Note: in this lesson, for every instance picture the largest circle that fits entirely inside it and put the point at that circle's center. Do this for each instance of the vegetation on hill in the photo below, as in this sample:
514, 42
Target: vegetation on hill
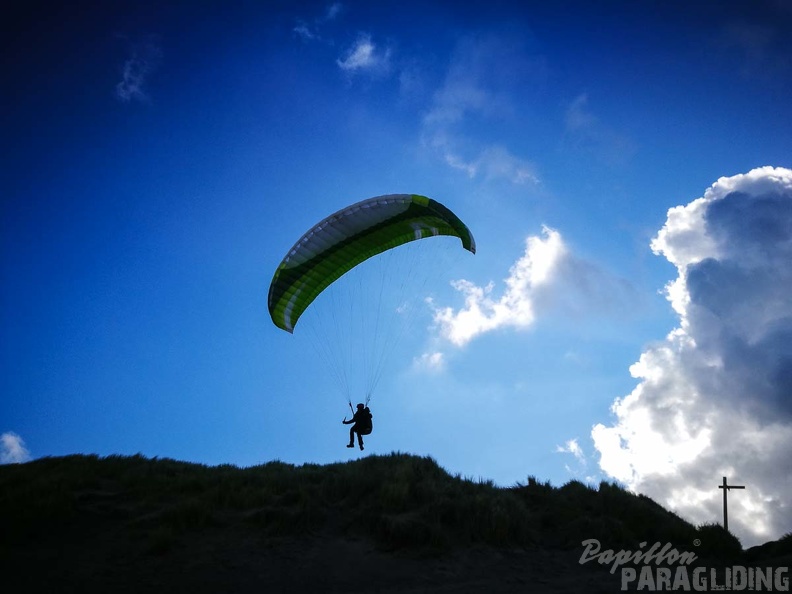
399, 501
130, 524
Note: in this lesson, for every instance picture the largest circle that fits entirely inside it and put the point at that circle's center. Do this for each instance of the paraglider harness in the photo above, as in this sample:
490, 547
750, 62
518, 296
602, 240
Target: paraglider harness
365, 425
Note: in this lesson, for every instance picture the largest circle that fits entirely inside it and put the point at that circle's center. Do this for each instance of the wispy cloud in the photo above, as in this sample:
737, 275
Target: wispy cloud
479, 85
332, 12
305, 32
546, 279
144, 58
364, 56
12, 449
311, 30
760, 41
572, 447
579, 468
484, 74
433, 362
714, 396
587, 132
489, 162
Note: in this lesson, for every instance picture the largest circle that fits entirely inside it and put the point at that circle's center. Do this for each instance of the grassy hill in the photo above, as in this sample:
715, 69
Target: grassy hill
393, 523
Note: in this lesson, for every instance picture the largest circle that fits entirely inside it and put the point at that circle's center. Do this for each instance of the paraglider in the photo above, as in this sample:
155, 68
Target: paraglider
362, 424
337, 246
348, 237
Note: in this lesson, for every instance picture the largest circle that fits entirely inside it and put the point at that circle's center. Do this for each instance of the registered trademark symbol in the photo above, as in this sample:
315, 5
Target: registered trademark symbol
696, 542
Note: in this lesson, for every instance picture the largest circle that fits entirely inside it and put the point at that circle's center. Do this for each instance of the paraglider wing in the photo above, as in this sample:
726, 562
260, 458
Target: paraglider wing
350, 236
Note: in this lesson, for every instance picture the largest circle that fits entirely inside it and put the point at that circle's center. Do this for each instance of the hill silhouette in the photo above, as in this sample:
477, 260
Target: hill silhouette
395, 523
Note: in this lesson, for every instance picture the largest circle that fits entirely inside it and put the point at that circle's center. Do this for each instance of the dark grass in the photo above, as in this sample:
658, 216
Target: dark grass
398, 501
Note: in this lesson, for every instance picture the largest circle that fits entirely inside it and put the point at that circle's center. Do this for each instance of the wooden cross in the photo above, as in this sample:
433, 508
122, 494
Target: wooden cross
725, 488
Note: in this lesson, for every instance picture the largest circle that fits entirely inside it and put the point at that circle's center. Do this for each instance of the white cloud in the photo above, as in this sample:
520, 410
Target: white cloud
572, 447
715, 397
144, 58
546, 279
12, 449
365, 56
515, 307
433, 362
579, 468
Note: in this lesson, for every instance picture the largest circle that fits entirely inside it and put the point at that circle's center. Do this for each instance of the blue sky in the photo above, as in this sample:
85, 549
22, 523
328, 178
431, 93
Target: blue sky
160, 160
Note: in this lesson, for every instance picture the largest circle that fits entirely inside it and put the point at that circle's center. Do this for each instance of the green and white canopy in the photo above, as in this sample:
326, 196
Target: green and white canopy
350, 236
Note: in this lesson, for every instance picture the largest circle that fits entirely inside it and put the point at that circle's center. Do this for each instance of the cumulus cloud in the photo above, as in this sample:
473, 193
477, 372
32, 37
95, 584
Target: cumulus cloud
12, 449
483, 312
715, 397
364, 56
546, 278
144, 58
478, 85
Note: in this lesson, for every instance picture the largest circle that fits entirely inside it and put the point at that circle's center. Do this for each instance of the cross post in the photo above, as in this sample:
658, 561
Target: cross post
725, 488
